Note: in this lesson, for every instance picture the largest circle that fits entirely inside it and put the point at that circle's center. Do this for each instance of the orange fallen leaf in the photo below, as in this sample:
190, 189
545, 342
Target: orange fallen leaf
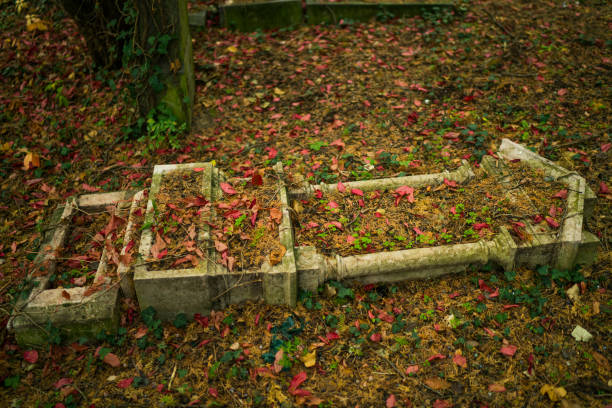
112, 360
437, 383
276, 256
31, 161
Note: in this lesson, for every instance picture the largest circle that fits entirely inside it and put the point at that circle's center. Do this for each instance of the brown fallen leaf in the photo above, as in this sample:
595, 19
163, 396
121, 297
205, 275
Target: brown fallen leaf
497, 387
112, 360
276, 256
65, 295
601, 360
276, 215
437, 383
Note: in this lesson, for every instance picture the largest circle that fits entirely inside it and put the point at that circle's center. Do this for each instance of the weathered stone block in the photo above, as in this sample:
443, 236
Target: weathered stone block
265, 15
74, 311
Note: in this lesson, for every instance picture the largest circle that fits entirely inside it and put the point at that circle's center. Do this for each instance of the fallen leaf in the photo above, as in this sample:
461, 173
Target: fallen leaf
227, 188
157, 249
125, 383
460, 360
442, 404
276, 256
257, 180
309, 359
31, 356
296, 381
112, 360
65, 295
213, 392
31, 161
357, 191
220, 246
341, 187
391, 401
276, 215
508, 350
62, 382
497, 387
437, 383
554, 393
413, 369
232, 49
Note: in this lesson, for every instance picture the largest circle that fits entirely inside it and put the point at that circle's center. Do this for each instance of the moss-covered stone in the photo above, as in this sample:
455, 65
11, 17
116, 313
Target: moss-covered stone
265, 15
332, 13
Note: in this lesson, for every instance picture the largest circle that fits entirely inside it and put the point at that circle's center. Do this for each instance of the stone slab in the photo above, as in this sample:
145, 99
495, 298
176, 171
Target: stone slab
266, 15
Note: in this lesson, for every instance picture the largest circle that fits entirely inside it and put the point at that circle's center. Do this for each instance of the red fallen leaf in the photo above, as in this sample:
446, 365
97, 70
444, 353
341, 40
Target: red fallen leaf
302, 393
257, 180
220, 246
318, 193
391, 401
508, 350
213, 391
338, 143
357, 191
198, 169
272, 152
460, 360
603, 188
198, 201
62, 382
436, 357
203, 320
506, 307
552, 223
413, 369
450, 183
112, 360
451, 135
376, 337
483, 286
333, 205
65, 295
203, 343
125, 383
605, 147
31, 356
89, 188
454, 295
562, 194
496, 387
442, 404
402, 191
227, 188
297, 379
335, 224
562, 92
481, 225
332, 336
341, 187
361, 203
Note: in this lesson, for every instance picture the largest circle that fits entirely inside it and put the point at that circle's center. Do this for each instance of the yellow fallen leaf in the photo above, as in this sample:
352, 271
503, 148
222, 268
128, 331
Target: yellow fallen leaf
34, 23
31, 161
279, 91
554, 393
309, 359
232, 49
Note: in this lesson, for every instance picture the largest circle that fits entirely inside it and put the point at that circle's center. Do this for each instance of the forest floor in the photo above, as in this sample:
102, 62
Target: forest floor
333, 104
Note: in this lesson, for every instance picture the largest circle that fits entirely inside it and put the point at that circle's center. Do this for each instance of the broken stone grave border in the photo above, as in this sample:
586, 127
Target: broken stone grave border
73, 311
563, 249
211, 285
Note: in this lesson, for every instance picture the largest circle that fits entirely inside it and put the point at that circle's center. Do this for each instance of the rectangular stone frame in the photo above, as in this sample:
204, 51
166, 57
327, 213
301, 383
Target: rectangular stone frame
210, 285
79, 315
